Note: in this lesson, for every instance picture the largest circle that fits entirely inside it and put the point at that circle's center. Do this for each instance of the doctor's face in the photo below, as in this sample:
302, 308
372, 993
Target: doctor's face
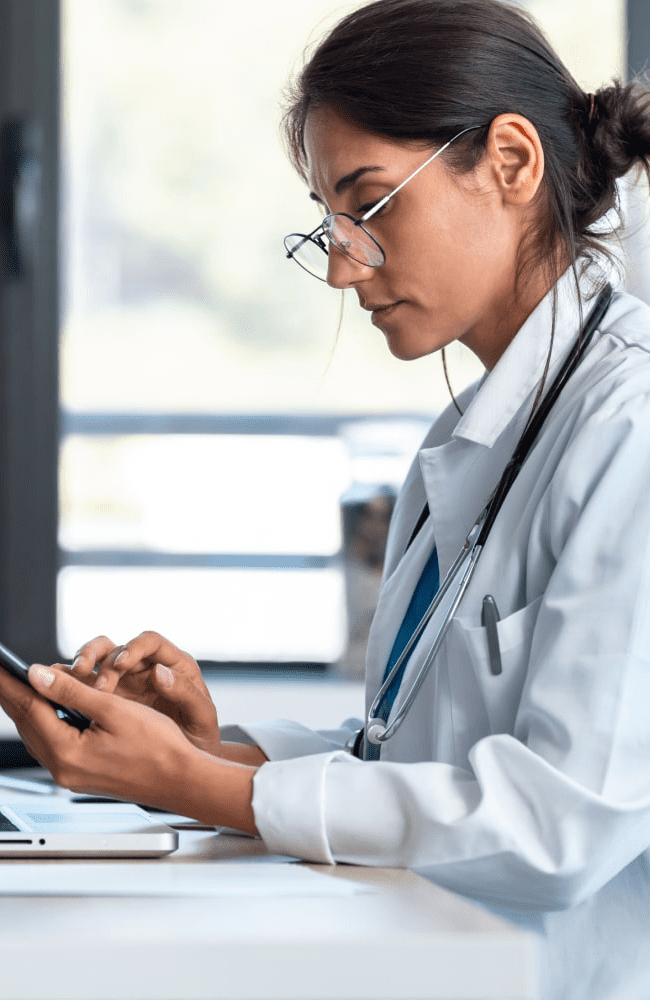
451, 242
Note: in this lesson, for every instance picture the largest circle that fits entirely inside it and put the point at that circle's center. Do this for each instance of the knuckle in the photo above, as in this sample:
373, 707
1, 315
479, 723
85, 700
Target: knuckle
99, 640
150, 635
24, 699
99, 646
21, 704
145, 644
110, 658
60, 683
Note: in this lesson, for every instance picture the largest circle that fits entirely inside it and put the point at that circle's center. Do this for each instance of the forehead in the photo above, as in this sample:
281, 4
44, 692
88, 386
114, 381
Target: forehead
336, 147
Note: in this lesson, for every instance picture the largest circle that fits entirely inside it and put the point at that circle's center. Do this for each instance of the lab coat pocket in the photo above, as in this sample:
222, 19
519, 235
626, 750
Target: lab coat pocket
489, 702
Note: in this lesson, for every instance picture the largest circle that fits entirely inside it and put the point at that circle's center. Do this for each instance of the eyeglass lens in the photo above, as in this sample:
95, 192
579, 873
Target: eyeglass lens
308, 254
341, 231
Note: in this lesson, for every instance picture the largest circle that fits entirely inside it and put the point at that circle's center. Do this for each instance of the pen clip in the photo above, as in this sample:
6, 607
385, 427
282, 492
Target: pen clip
489, 619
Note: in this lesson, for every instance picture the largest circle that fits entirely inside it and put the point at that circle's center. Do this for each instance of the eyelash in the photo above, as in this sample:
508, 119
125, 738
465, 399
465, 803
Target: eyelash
366, 208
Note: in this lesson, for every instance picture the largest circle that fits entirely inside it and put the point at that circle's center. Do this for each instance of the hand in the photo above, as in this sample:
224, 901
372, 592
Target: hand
154, 672
129, 751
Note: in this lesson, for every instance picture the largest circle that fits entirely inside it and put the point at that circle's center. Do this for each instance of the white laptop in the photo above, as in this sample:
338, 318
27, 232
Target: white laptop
34, 827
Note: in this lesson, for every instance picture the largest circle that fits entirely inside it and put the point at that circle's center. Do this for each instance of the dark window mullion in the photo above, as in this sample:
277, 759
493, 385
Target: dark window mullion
29, 87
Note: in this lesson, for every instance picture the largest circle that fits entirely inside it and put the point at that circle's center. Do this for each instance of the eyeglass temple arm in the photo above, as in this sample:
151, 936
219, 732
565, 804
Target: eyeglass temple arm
380, 204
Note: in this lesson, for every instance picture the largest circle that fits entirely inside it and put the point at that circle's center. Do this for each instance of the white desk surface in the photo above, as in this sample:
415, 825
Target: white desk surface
403, 939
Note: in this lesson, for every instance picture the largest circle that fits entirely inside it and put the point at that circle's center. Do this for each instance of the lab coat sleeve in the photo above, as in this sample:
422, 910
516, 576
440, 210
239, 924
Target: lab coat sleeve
546, 815
281, 739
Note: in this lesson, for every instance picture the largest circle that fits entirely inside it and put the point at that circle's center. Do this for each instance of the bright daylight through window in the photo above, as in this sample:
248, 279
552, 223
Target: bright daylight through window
191, 345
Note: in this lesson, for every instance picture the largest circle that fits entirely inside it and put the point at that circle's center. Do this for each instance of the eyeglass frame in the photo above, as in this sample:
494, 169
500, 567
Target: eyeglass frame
316, 236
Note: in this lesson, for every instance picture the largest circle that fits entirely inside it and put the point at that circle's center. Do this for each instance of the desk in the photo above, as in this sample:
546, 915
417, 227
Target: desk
404, 939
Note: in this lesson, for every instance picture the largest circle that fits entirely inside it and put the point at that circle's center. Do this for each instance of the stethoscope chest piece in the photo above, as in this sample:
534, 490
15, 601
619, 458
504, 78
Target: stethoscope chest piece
376, 731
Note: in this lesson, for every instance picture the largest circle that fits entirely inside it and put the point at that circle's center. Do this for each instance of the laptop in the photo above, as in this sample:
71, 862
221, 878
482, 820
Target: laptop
59, 828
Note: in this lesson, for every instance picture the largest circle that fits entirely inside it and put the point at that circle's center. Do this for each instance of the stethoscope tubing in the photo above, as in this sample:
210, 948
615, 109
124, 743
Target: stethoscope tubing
376, 730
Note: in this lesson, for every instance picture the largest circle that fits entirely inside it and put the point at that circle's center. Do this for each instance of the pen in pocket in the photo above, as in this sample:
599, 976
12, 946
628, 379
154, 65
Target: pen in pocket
489, 619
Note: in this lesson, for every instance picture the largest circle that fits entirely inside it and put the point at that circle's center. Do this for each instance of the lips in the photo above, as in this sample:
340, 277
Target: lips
378, 307
380, 313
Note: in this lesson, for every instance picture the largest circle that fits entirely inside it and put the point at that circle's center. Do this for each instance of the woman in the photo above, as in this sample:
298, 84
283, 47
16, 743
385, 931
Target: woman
479, 170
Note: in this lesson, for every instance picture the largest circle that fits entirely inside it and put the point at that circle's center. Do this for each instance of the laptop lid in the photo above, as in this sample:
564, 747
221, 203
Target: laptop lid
34, 828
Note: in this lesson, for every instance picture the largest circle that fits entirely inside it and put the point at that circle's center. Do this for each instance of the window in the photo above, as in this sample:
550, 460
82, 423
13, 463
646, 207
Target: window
209, 413
180, 318
211, 418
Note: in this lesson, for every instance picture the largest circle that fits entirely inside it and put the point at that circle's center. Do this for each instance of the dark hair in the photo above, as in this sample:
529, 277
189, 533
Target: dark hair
423, 70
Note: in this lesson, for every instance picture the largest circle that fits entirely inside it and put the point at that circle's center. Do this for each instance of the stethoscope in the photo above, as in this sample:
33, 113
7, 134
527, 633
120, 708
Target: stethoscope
457, 579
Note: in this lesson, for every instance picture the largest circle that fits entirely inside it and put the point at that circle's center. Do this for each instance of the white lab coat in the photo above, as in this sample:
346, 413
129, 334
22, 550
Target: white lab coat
528, 791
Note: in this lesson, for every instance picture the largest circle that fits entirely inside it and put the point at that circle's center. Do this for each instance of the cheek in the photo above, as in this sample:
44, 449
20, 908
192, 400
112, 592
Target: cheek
470, 250
442, 244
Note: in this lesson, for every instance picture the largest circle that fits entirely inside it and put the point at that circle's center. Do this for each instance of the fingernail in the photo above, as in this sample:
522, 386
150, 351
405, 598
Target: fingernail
164, 675
43, 676
121, 657
75, 662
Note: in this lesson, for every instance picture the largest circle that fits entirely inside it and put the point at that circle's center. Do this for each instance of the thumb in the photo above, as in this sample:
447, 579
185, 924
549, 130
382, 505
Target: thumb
63, 689
178, 689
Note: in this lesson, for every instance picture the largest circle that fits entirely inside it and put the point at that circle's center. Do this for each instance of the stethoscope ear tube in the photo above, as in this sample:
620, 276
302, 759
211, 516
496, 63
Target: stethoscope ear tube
538, 418
377, 731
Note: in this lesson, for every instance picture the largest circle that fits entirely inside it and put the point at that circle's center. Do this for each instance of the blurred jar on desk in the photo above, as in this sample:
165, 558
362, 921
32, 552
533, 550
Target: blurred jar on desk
381, 450
365, 513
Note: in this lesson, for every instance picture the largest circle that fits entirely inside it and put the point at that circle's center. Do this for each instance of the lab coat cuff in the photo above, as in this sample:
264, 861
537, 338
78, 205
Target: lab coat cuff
281, 739
289, 806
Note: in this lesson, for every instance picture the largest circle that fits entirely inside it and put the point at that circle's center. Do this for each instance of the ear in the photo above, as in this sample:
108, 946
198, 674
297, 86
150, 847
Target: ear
514, 151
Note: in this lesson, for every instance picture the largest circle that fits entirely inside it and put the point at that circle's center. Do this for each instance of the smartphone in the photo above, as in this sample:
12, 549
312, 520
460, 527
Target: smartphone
19, 669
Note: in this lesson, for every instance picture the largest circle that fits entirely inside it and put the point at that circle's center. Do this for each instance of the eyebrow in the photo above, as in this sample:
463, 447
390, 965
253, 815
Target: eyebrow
346, 182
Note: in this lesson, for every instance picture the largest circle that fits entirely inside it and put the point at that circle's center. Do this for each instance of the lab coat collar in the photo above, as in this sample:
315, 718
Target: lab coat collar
516, 376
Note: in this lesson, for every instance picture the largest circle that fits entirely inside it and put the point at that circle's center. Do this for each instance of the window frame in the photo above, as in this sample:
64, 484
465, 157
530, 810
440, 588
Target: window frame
29, 325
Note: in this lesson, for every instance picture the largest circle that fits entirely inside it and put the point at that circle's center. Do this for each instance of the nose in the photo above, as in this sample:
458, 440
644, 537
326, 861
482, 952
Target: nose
344, 271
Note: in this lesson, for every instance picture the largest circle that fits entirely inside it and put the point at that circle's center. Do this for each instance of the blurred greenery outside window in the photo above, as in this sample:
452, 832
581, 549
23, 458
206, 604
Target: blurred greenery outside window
178, 299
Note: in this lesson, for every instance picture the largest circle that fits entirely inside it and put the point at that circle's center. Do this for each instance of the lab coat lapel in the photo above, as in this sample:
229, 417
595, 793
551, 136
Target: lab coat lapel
459, 478
460, 474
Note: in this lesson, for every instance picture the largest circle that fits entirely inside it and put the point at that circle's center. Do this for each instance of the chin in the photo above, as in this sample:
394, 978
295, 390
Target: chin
402, 353
407, 346
410, 334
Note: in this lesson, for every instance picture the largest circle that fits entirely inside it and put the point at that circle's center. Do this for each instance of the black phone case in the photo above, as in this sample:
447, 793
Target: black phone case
19, 669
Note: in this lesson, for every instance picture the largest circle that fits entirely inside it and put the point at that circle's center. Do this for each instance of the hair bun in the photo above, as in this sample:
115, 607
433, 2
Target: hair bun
618, 126
615, 124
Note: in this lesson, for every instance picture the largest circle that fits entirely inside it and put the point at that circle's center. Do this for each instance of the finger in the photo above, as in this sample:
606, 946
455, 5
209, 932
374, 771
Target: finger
88, 679
150, 648
65, 689
114, 666
195, 703
36, 721
91, 653
15, 696
108, 675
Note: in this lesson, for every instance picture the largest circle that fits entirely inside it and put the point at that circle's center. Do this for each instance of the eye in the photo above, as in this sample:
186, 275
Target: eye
370, 205
362, 209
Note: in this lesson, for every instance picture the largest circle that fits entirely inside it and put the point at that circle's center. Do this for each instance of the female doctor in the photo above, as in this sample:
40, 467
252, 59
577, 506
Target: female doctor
464, 176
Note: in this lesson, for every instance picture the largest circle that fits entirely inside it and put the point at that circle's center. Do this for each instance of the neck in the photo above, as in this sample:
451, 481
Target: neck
497, 331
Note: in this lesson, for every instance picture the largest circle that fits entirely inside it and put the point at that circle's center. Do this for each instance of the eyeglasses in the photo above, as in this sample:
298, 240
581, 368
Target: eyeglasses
348, 234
